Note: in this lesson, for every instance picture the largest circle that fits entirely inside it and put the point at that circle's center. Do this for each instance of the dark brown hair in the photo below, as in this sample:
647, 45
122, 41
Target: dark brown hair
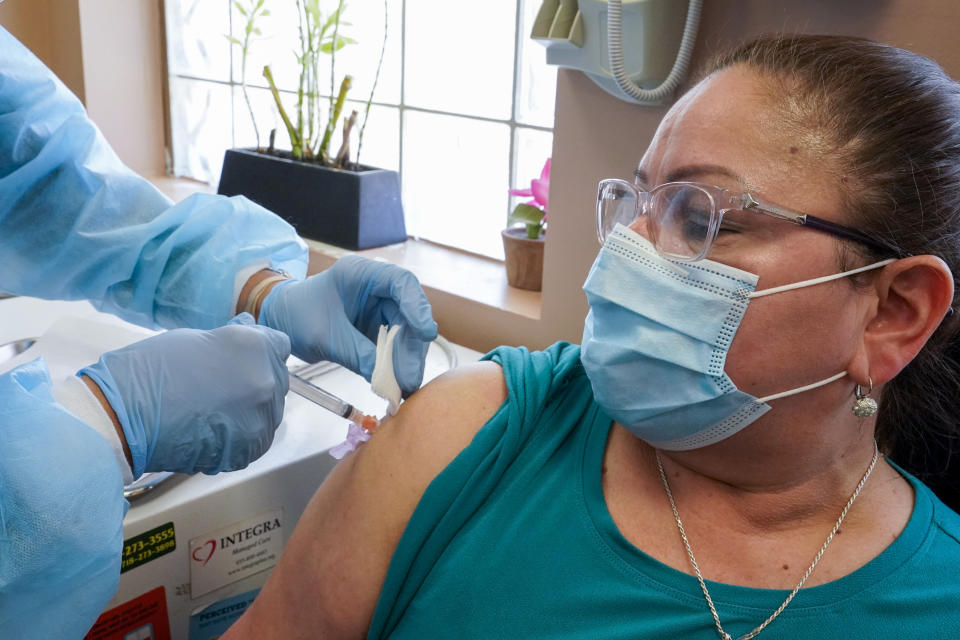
889, 120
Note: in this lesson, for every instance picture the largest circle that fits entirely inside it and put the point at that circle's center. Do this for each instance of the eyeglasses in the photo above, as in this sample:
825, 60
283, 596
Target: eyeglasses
684, 218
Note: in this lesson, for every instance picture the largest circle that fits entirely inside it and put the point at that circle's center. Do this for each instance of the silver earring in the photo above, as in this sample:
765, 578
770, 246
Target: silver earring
864, 406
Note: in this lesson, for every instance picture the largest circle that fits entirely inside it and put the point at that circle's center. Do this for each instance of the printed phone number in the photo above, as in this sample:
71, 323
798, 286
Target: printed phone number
160, 541
146, 554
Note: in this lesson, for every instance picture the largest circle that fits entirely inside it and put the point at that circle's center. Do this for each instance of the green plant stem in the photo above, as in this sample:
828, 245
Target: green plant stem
250, 29
332, 123
314, 137
303, 27
333, 78
243, 86
376, 79
295, 140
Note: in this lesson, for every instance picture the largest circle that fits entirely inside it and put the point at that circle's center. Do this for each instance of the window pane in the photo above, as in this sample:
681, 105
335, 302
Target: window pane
267, 118
381, 140
456, 170
459, 56
360, 59
196, 38
455, 174
533, 148
201, 123
280, 38
537, 84
275, 47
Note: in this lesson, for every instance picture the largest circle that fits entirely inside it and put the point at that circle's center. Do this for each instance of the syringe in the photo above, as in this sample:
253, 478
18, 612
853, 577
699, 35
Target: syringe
330, 402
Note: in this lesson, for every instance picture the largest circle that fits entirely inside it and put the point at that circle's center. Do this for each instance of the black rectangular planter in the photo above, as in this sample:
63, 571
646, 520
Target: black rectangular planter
350, 209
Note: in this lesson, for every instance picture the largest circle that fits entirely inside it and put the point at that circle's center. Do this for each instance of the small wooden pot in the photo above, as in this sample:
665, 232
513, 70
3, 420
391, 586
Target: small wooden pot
524, 258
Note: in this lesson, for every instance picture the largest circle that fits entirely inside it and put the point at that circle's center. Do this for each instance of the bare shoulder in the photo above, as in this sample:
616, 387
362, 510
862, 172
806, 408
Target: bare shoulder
329, 578
431, 428
441, 419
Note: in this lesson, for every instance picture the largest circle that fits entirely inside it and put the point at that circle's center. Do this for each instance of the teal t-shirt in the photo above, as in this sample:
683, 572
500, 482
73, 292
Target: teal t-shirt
513, 540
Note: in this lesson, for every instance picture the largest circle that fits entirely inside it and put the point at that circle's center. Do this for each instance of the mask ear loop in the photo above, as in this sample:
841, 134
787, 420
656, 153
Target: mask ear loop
791, 392
809, 283
864, 406
822, 279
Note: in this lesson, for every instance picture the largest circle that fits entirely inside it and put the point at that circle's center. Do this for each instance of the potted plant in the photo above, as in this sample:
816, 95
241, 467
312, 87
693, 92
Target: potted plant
323, 193
523, 245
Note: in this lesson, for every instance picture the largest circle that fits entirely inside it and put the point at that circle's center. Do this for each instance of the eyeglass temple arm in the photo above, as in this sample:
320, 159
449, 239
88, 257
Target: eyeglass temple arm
851, 234
748, 202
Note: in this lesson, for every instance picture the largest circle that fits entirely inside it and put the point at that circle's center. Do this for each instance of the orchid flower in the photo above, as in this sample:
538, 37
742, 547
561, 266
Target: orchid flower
533, 213
539, 189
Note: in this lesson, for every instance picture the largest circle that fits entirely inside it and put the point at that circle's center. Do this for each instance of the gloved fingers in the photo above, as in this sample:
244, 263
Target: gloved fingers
384, 312
355, 351
242, 318
390, 282
414, 306
279, 342
409, 360
405, 290
357, 279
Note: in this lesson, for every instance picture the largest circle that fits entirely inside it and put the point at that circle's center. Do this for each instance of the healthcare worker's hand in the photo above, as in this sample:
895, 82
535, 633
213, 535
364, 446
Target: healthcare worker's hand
191, 400
336, 315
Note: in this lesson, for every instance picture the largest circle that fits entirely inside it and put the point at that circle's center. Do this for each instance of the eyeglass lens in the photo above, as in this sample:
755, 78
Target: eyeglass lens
617, 204
679, 216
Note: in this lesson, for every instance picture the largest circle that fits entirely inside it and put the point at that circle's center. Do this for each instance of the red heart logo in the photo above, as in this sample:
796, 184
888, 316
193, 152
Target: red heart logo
198, 552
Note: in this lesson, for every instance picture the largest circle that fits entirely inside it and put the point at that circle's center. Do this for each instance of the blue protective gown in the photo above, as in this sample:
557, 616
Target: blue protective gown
76, 223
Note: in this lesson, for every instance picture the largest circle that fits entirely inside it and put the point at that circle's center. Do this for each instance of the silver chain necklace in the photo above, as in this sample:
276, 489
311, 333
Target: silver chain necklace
703, 585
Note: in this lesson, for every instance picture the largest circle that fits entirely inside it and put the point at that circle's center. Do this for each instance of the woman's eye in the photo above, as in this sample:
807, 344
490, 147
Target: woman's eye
726, 227
732, 222
696, 222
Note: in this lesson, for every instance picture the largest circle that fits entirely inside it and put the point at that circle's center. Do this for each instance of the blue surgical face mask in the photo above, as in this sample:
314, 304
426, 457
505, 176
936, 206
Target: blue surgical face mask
656, 340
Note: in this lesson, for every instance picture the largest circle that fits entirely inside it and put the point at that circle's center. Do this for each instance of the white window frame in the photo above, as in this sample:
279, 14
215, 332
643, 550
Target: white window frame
402, 107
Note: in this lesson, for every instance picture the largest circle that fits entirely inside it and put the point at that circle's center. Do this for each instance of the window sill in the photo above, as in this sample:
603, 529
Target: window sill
473, 278
178, 189
470, 295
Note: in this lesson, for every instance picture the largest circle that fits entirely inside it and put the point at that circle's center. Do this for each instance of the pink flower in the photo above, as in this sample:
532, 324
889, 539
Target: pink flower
539, 189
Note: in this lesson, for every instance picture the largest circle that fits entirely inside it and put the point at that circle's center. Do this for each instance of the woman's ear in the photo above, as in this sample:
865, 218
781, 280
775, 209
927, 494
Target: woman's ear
914, 294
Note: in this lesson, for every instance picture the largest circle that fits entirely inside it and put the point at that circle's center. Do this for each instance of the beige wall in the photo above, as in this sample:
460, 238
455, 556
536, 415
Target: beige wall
109, 53
29, 20
598, 136
123, 78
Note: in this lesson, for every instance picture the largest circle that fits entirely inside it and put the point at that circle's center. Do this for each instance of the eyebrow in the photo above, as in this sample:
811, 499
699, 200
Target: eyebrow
693, 171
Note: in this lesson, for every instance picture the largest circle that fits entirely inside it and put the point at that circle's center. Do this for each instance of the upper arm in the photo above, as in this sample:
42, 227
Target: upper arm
329, 578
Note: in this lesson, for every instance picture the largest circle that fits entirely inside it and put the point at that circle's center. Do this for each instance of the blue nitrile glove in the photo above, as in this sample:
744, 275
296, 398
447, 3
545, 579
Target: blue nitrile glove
61, 513
336, 315
191, 400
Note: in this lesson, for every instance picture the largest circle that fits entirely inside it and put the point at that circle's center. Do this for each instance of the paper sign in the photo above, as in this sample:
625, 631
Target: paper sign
211, 621
234, 552
143, 618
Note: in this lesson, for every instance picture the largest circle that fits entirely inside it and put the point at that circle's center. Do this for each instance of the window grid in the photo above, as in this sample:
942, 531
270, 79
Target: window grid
235, 84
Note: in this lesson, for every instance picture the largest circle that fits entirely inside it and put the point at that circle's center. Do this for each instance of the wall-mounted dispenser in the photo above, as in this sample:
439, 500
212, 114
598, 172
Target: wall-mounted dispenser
636, 50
